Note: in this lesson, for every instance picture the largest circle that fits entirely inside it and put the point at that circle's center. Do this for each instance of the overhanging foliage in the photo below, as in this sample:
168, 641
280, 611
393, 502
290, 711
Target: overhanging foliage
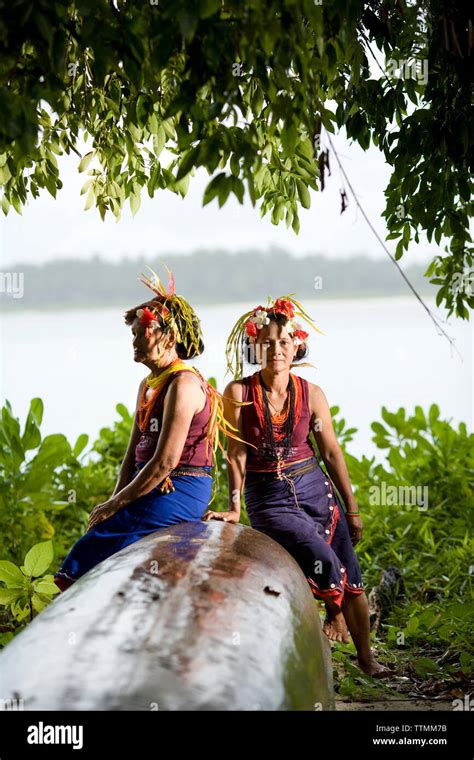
245, 89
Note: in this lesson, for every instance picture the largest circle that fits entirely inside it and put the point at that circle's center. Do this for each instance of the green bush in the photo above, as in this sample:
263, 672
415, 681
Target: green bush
431, 544
27, 588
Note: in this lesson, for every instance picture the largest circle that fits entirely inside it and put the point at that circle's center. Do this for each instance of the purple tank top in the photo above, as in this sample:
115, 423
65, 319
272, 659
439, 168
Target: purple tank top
194, 450
301, 444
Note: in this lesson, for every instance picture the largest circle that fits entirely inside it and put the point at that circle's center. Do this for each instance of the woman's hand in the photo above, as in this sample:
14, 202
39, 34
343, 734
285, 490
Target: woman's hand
355, 528
232, 516
101, 512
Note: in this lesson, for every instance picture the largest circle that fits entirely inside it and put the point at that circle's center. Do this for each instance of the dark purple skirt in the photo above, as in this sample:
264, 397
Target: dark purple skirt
303, 513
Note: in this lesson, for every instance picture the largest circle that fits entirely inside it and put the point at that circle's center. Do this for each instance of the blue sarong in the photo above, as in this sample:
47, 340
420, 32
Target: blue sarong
145, 515
303, 513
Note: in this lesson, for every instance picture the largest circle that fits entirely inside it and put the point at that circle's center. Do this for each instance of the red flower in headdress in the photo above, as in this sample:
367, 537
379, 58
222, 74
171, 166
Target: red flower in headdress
301, 335
285, 307
146, 316
251, 329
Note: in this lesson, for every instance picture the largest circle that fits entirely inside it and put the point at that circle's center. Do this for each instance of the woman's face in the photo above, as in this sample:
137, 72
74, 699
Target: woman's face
151, 349
275, 347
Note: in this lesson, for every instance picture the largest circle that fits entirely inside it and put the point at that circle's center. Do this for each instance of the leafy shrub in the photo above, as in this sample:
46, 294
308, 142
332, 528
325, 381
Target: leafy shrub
28, 587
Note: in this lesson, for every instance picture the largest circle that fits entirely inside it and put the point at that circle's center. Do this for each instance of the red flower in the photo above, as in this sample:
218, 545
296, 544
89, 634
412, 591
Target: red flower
251, 329
301, 334
147, 317
285, 307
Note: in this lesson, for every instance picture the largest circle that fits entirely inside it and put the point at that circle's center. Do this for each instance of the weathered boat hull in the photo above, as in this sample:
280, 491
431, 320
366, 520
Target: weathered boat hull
198, 616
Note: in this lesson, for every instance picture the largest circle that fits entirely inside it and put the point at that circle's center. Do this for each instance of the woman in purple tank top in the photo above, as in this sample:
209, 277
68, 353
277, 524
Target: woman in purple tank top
288, 496
166, 476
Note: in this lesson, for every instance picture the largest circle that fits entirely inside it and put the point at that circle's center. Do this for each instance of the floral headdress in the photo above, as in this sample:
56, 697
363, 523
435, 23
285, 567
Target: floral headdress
248, 325
190, 335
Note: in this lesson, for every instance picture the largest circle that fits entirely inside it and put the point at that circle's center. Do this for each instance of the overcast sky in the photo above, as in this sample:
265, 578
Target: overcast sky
167, 223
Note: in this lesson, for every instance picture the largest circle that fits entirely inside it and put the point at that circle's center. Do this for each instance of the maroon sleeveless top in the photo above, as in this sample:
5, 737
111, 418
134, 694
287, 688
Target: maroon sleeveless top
194, 450
301, 444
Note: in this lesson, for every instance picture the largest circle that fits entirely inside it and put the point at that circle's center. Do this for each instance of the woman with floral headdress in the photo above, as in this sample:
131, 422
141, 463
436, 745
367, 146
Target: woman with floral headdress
166, 476
288, 496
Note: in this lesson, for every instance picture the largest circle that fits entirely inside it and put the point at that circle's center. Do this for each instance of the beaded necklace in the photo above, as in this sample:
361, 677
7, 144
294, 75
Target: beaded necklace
278, 428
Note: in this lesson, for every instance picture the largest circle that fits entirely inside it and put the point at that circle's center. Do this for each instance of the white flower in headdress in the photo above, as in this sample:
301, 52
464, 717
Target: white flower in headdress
293, 325
299, 336
260, 318
139, 313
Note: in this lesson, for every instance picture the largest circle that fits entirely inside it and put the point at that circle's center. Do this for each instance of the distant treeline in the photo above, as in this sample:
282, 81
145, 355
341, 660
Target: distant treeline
207, 276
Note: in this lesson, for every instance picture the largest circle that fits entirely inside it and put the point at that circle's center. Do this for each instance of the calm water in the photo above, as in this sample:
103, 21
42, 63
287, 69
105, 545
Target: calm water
375, 352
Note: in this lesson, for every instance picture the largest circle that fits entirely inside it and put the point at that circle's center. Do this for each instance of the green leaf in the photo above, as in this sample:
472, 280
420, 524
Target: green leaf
399, 250
53, 451
431, 268
124, 413
10, 433
252, 190
406, 234
224, 190
85, 161
37, 409
433, 414
289, 138
11, 574
257, 100
189, 160
80, 444
90, 198
235, 164
135, 201
5, 174
238, 188
389, 417
159, 141
303, 193
296, 223
31, 438
182, 185
378, 428
16, 202
45, 587
305, 149
213, 188
9, 595
39, 558
154, 179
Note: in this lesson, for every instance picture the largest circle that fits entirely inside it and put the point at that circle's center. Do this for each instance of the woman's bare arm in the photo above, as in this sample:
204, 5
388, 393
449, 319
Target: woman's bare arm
183, 398
328, 446
237, 454
236, 451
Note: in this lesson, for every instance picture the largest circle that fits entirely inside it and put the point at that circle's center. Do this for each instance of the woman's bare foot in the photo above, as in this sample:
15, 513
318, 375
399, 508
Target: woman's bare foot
374, 668
335, 628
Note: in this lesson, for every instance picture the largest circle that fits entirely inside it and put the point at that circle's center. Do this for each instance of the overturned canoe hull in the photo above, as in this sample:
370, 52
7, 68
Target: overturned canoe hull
198, 616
